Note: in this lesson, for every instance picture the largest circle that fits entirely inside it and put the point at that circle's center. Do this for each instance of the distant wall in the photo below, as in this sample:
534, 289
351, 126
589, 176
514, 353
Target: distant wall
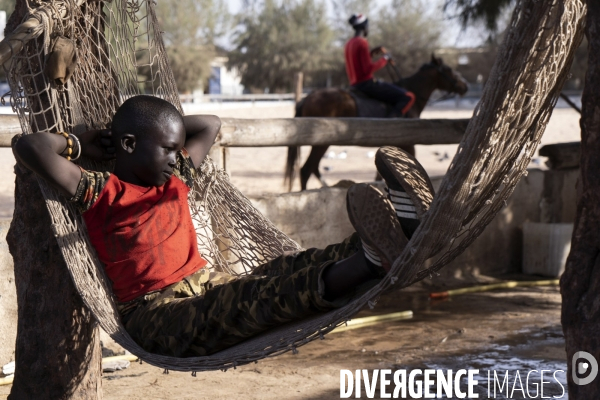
313, 218
542, 196
316, 218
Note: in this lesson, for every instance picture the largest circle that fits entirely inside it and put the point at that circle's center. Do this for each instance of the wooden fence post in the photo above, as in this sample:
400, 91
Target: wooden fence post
298, 85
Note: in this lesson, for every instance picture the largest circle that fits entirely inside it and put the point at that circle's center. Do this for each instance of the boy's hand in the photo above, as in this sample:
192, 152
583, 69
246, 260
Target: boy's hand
97, 144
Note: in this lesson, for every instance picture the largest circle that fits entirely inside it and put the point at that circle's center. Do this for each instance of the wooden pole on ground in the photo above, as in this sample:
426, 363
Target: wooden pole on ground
58, 348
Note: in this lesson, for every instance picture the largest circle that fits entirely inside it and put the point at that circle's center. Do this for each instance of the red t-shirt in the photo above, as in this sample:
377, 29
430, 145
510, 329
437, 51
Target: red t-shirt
359, 65
144, 235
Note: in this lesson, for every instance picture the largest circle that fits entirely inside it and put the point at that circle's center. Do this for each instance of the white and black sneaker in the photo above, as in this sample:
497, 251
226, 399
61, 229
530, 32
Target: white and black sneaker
374, 219
409, 188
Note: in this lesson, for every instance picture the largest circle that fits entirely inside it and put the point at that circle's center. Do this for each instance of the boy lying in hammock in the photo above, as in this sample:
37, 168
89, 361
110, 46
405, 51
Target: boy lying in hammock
139, 222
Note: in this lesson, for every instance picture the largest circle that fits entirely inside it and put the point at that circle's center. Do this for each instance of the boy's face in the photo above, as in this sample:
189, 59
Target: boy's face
154, 155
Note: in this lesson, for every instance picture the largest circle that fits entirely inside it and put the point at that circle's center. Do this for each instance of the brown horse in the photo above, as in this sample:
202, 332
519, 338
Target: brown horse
339, 103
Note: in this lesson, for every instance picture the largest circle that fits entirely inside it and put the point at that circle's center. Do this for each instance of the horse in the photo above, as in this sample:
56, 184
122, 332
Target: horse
335, 102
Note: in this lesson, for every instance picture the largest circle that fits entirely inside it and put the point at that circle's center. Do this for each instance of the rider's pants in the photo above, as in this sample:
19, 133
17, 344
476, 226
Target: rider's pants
401, 99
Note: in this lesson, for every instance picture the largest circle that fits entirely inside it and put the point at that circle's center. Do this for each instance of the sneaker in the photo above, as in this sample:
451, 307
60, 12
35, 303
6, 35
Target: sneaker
409, 188
374, 219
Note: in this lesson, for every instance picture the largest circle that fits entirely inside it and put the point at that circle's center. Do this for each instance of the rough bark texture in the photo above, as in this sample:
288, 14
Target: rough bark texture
58, 349
58, 353
580, 284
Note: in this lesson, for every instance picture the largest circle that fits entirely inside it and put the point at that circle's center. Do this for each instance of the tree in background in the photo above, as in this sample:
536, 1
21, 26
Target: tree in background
279, 39
284, 37
408, 32
190, 29
487, 11
490, 13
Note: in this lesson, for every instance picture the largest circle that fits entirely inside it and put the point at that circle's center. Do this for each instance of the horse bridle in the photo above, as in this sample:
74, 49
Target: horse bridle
450, 78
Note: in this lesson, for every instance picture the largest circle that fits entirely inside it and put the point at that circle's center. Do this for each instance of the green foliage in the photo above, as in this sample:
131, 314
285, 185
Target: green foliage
408, 33
190, 28
490, 12
487, 11
284, 37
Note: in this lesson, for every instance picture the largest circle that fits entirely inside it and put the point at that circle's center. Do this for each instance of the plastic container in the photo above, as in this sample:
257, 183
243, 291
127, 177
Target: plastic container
545, 248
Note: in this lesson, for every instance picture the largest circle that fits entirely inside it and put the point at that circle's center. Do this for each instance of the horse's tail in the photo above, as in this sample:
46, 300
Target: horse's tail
293, 155
299, 106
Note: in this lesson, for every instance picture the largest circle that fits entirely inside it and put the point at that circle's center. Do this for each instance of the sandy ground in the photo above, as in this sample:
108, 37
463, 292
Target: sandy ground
516, 330
510, 330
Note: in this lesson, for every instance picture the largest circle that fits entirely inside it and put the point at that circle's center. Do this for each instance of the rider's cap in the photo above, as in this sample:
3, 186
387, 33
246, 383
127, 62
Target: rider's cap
357, 20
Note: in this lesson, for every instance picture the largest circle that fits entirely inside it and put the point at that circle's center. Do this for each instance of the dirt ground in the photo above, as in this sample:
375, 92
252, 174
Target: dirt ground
506, 330
511, 330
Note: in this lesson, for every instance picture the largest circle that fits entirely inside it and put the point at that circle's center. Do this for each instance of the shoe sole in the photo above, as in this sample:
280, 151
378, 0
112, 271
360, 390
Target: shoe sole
375, 221
394, 164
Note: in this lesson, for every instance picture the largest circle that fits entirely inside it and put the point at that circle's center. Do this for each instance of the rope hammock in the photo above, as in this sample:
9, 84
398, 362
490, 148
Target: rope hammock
121, 54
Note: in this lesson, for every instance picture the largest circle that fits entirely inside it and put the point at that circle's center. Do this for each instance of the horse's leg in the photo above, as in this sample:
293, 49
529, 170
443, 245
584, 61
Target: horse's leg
318, 175
311, 166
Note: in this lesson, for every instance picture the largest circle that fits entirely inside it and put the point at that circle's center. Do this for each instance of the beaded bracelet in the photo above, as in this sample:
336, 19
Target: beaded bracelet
69, 148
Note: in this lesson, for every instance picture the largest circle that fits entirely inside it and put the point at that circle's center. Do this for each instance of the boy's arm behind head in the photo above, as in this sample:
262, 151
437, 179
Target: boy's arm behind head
40, 152
201, 131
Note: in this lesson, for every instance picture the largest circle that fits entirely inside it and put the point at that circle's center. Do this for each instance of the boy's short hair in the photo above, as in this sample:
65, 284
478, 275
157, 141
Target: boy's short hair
140, 113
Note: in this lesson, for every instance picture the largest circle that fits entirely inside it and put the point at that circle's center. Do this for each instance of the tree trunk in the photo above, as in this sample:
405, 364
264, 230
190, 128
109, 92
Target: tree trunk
580, 284
58, 349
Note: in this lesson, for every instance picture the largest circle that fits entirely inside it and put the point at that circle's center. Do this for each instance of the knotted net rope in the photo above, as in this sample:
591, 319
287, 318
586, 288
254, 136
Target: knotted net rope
121, 54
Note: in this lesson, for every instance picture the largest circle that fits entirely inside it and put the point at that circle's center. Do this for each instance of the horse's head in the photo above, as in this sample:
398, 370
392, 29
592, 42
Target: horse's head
447, 79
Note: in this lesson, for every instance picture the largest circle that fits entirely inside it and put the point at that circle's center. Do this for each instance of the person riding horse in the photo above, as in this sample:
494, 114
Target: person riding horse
360, 69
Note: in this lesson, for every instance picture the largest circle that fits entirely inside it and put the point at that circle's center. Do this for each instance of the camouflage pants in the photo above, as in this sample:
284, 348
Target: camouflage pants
210, 311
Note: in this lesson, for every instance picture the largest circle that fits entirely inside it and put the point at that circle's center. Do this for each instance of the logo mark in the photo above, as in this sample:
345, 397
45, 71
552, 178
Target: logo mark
581, 367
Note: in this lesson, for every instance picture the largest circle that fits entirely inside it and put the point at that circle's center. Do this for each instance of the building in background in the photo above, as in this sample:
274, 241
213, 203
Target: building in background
224, 81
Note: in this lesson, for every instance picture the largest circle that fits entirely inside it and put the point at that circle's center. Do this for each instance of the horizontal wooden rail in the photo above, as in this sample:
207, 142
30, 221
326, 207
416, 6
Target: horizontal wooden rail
315, 131
340, 131
185, 98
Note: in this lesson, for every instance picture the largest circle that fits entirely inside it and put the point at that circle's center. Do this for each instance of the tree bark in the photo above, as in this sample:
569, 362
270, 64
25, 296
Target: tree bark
58, 348
580, 284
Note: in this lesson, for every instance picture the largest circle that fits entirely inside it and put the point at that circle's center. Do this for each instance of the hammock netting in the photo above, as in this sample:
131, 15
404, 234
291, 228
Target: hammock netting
121, 54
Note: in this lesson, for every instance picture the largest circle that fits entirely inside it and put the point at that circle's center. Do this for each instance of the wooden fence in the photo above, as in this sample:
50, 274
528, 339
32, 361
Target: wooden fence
315, 131
339, 131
